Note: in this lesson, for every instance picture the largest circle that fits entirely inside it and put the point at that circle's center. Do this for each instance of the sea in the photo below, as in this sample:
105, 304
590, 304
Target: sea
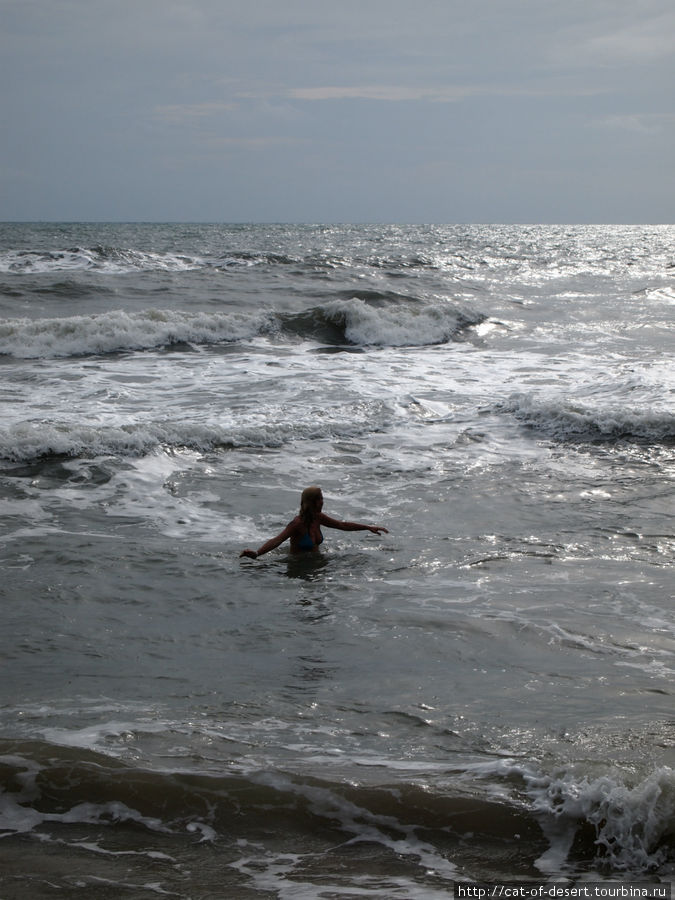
484, 694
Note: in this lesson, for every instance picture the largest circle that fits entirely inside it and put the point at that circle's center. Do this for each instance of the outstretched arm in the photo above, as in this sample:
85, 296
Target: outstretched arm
330, 522
271, 544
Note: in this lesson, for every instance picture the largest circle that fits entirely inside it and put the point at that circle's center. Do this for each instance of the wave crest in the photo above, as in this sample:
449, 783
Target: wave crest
110, 260
589, 823
397, 325
336, 323
564, 419
27, 441
118, 330
632, 824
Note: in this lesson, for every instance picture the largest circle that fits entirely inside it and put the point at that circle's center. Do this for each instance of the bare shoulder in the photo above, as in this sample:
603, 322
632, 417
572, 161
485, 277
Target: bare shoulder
330, 522
289, 530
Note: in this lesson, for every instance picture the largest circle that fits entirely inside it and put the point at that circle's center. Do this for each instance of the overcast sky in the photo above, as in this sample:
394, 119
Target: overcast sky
338, 110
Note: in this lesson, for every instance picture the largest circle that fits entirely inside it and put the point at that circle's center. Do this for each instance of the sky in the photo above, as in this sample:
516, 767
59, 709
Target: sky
432, 111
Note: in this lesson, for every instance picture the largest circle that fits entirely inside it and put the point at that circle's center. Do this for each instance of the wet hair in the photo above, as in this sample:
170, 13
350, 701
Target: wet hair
308, 502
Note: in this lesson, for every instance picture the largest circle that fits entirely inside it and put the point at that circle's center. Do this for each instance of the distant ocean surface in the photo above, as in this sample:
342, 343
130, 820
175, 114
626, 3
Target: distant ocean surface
484, 693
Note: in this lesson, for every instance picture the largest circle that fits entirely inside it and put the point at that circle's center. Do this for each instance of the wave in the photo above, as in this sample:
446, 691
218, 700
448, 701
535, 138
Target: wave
568, 420
110, 260
403, 326
371, 324
553, 823
119, 260
118, 331
631, 825
249, 258
377, 297
352, 322
25, 441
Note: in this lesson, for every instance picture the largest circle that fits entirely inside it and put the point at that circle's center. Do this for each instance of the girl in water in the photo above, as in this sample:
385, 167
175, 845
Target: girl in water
305, 529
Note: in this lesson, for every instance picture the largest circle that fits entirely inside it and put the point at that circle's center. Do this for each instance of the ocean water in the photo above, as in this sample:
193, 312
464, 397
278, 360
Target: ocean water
484, 693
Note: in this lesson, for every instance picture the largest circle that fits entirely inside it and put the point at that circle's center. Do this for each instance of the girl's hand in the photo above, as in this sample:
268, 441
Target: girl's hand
250, 553
377, 529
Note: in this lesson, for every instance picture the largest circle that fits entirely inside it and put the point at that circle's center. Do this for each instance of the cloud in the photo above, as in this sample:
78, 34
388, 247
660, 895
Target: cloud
647, 40
177, 113
322, 110
253, 143
638, 123
442, 94
390, 93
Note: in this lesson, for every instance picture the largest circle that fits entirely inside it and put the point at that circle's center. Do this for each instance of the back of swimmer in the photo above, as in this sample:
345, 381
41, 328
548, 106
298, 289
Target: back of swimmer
304, 530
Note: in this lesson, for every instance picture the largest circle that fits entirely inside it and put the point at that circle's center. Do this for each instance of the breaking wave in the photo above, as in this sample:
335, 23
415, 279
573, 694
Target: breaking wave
630, 826
603, 824
398, 325
352, 322
568, 420
27, 441
118, 331
110, 260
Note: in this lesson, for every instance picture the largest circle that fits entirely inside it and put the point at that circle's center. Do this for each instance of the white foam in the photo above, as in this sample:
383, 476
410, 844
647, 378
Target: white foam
630, 820
207, 833
97, 737
562, 417
25, 440
394, 326
364, 825
666, 293
94, 847
119, 330
18, 816
97, 259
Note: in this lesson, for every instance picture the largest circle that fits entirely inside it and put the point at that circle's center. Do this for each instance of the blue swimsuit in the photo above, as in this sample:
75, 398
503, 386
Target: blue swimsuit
306, 542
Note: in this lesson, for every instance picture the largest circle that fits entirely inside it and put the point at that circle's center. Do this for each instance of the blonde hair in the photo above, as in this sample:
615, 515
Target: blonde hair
308, 502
